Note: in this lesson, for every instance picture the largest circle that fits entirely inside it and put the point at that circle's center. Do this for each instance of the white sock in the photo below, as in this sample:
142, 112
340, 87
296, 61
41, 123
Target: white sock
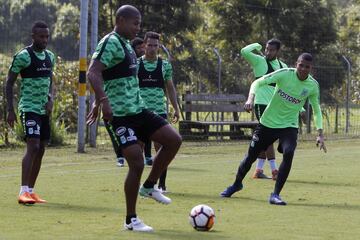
31, 190
272, 163
24, 189
260, 163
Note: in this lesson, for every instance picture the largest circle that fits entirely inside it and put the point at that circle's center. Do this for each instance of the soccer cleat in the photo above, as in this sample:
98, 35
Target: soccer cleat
120, 162
231, 190
25, 198
259, 174
37, 198
276, 199
137, 225
161, 189
274, 173
154, 194
148, 161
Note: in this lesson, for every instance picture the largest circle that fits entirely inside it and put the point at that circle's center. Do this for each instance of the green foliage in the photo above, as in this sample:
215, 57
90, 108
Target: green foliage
66, 30
302, 26
65, 106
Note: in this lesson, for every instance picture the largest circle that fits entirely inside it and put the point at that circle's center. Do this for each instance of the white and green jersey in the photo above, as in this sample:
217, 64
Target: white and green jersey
288, 99
120, 81
261, 67
35, 69
153, 79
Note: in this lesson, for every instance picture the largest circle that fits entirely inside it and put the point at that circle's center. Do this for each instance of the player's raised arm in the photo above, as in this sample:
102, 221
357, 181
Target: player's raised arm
249, 54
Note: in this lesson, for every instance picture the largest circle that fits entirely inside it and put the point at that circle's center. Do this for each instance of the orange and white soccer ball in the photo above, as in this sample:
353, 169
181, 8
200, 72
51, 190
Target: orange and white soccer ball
202, 217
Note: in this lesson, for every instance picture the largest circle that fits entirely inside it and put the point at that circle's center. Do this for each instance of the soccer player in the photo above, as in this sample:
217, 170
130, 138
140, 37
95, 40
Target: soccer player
155, 80
280, 120
138, 45
35, 65
113, 76
261, 66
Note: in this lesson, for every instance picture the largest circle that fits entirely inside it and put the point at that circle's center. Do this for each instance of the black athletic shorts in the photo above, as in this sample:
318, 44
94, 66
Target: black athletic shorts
264, 136
259, 110
35, 125
129, 129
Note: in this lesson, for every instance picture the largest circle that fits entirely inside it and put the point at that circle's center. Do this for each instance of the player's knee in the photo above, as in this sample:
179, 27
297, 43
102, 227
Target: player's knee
175, 142
288, 151
137, 167
178, 140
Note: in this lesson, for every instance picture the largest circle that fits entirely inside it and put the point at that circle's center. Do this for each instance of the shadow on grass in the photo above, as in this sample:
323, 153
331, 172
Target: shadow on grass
184, 169
342, 206
79, 208
323, 183
174, 234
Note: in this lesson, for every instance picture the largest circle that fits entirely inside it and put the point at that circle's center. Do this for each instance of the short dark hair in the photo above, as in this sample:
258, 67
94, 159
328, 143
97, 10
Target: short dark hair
306, 56
275, 42
136, 41
127, 11
152, 35
38, 24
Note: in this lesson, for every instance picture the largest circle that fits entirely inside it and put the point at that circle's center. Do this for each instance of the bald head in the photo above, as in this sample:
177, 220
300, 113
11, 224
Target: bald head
127, 11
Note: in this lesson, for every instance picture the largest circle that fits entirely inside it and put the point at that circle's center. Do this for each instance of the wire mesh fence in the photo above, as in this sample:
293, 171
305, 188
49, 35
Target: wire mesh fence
341, 116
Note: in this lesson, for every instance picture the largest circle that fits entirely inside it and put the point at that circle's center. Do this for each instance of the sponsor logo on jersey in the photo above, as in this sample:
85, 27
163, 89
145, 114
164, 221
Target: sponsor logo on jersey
120, 131
304, 92
30, 123
287, 97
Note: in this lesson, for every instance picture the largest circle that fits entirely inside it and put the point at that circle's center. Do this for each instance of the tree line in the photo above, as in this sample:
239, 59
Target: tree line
329, 29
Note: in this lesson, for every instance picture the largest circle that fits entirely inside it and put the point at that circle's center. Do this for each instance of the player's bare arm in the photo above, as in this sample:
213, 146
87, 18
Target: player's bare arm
171, 93
96, 81
10, 81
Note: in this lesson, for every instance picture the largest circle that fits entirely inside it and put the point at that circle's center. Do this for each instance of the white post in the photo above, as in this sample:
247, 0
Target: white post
93, 43
82, 76
348, 83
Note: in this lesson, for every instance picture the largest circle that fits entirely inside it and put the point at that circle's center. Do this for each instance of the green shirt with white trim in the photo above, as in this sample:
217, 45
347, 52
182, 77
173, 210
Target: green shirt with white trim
288, 99
154, 97
123, 92
33, 91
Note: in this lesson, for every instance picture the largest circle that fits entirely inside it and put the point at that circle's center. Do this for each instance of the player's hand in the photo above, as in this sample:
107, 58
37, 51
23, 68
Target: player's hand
248, 105
320, 142
48, 107
176, 116
93, 114
11, 118
106, 111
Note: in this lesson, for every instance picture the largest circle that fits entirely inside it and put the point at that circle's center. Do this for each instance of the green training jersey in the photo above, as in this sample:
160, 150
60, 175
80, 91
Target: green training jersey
33, 91
289, 97
123, 92
154, 97
260, 68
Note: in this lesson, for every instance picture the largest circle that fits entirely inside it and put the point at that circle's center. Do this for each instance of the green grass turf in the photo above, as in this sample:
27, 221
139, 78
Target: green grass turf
86, 199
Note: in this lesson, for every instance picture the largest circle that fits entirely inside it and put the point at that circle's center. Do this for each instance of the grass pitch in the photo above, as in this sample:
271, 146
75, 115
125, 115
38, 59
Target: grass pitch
86, 199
